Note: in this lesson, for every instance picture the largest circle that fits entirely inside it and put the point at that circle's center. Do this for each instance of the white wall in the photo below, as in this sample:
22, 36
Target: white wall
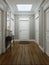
37, 27
31, 27
12, 23
46, 26
3, 21
16, 27
47, 31
41, 31
0, 32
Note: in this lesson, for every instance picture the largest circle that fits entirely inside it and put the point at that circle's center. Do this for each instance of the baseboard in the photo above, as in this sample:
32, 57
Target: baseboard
39, 45
47, 54
36, 42
24, 40
41, 48
32, 40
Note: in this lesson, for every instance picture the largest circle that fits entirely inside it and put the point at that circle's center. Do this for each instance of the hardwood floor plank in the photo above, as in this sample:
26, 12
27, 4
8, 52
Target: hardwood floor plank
24, 53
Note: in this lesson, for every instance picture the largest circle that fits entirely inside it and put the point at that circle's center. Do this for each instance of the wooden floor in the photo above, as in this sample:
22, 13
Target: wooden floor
24, 53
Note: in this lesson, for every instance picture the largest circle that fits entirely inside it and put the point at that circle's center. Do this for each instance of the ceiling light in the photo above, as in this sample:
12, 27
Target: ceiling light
24, 7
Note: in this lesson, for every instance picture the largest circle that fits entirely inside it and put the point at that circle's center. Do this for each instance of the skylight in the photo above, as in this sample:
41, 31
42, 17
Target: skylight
24, 7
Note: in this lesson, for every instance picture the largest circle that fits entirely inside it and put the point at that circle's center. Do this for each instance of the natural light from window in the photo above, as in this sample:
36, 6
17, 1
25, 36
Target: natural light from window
24, 7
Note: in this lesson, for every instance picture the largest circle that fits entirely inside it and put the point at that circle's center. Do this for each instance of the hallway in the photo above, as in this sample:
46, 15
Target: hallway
24, 53
24, 32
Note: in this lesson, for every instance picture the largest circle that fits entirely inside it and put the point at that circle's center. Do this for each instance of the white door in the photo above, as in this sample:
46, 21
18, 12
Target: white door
47, 32
23, 30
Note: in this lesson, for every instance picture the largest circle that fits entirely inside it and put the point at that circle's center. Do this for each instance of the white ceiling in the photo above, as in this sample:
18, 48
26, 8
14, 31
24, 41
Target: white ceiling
35, 4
